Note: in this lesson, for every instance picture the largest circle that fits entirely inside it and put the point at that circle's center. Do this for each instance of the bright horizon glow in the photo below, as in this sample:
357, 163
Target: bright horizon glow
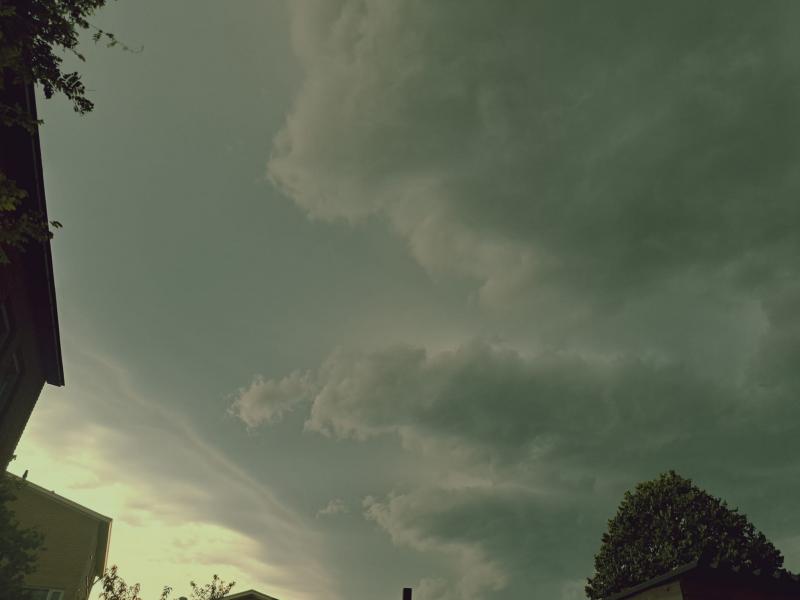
146, 548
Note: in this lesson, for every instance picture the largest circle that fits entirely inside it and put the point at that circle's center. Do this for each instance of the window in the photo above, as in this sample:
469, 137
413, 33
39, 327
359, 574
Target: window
10, 370
5, 325
46, 594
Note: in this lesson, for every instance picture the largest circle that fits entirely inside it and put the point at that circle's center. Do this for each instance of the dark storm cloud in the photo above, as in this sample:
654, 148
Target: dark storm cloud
546, 144
625, 179
540, 445
496, 406
499, 539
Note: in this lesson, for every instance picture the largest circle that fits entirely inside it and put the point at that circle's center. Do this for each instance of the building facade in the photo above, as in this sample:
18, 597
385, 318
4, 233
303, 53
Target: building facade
712, 580
30, 348
76, 541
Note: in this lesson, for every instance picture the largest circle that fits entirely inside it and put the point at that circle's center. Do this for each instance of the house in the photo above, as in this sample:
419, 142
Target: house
76, 541
705, 579
30, 349
249, 595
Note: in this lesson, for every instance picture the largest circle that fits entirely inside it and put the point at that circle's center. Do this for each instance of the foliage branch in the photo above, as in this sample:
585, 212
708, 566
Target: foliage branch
115, 588
34, 35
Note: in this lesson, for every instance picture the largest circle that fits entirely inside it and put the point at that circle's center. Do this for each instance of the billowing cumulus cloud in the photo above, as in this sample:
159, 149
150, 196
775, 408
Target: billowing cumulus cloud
619, 186
551, 148
490, 403
268, 400
411, 520
531, 449
334, 507
499, 538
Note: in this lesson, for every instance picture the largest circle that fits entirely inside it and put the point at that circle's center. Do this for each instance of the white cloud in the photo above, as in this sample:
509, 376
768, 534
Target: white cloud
335, 507
267, 401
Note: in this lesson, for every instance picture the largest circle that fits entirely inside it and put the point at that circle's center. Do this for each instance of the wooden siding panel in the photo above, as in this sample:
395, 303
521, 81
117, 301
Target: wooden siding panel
70, 539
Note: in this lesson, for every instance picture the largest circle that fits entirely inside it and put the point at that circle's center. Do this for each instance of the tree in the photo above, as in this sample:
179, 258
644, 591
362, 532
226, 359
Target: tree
33, 35
19, 546
115, 588
669, 522
211, 591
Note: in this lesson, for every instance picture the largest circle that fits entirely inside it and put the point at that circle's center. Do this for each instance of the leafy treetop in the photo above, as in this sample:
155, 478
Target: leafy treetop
33, 35
669, 522
115, 588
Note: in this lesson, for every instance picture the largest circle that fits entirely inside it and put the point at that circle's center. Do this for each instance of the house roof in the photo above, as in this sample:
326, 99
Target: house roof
24, 159
104, 523
249, 595
708, 565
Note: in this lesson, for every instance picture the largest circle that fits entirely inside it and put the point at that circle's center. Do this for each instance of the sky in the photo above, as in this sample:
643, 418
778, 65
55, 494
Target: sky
363, 294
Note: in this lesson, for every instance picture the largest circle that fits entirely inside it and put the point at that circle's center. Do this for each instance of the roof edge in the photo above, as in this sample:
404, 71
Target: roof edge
61, 499
104, 522
103, 545
251, 592
54, 370
655, 581
709, 564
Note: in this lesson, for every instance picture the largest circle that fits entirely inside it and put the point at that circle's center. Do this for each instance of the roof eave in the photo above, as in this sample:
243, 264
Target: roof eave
103, 543
656, 581
41, 257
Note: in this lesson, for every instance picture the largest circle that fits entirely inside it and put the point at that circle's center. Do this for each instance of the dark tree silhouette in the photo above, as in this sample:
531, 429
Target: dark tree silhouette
669, 522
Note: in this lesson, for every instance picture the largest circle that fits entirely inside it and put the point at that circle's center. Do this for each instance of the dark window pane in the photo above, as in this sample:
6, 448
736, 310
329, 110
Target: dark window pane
10, 371
5, 325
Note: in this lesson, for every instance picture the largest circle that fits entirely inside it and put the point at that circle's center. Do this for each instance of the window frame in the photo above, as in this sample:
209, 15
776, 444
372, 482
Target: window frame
7, 393
6, 326
50, 593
